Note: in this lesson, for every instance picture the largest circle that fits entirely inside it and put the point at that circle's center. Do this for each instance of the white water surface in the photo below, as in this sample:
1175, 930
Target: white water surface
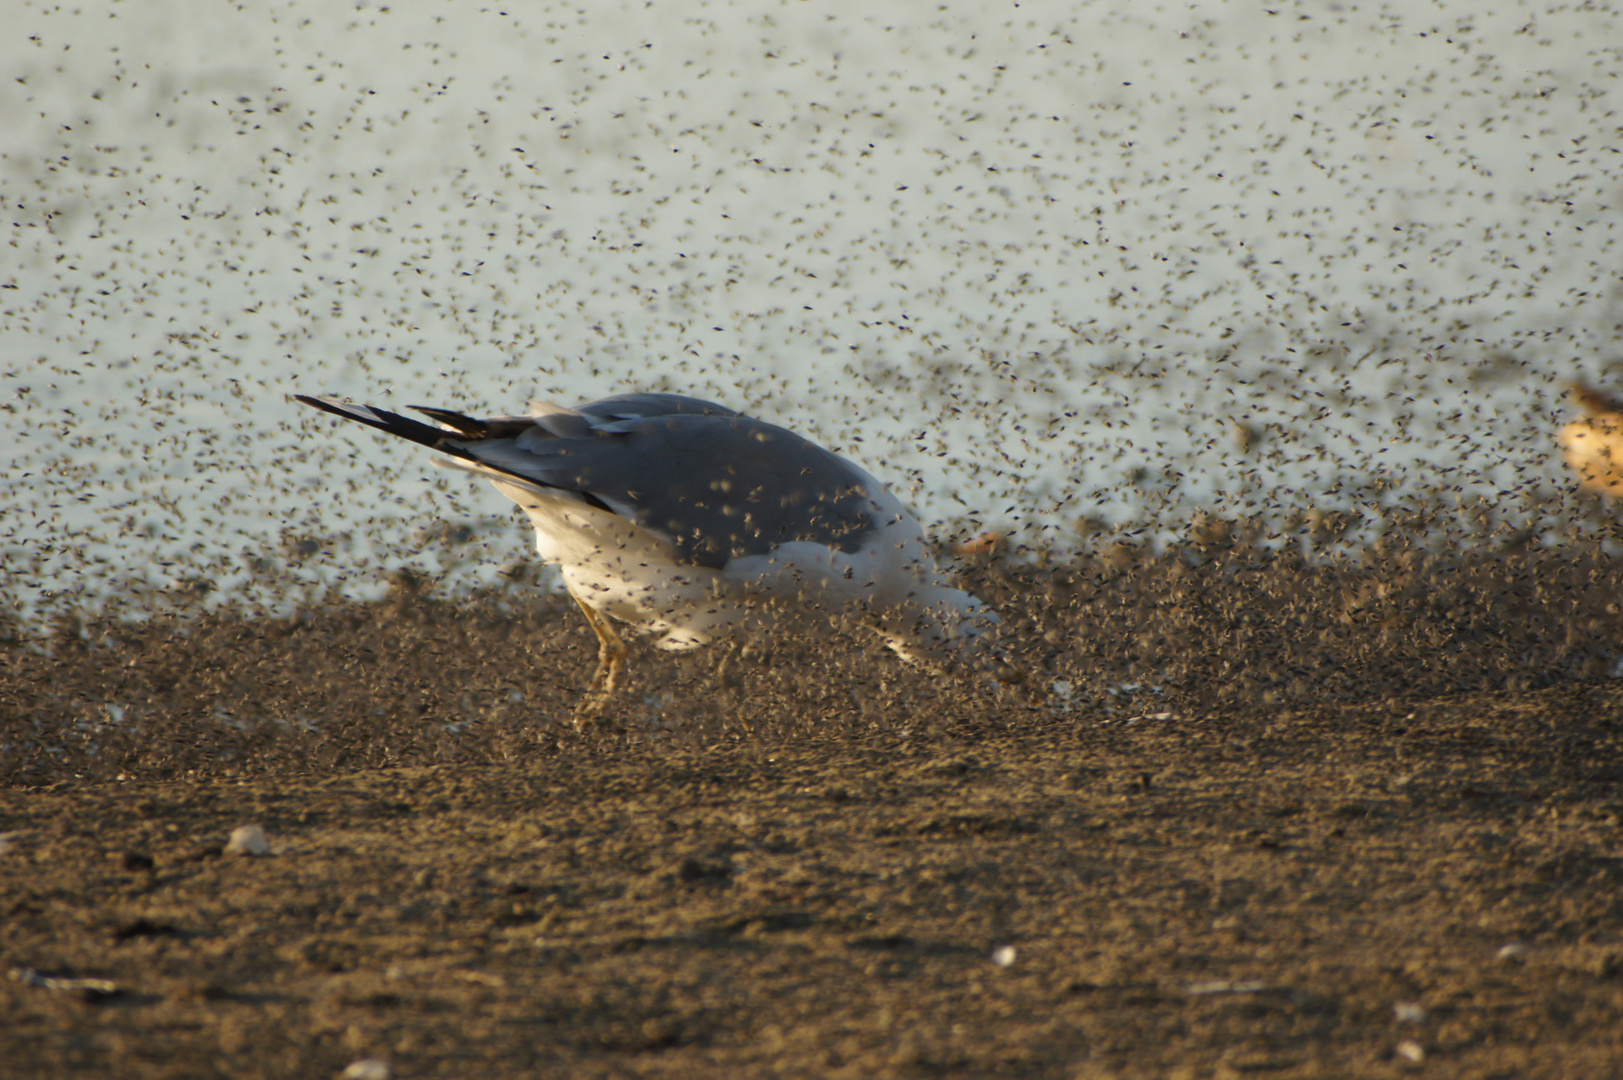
1030, 263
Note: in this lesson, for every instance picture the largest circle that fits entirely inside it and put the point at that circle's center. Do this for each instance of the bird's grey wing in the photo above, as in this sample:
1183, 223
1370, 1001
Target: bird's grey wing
640, 406
717, 487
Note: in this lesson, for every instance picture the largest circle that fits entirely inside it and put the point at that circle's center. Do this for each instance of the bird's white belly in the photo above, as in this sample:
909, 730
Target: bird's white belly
631, 574
626, 572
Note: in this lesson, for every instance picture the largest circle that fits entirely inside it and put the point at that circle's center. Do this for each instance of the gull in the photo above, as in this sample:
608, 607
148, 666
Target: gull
1594, 445
686, 520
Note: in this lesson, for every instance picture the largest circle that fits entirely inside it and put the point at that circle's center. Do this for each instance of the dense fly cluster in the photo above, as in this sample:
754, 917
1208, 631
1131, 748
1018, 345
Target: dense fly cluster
1156, 294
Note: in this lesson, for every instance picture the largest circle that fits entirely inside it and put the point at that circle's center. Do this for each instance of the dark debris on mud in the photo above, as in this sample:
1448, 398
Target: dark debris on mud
1275, 817
418, 680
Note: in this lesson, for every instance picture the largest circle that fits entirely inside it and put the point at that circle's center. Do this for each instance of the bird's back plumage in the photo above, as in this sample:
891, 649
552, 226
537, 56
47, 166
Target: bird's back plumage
1593, 444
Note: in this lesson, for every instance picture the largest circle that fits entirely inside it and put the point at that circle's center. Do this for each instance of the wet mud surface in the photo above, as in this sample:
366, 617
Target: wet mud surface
1273, 819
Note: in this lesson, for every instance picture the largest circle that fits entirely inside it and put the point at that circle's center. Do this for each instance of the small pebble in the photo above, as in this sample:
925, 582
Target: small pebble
1410, 1050
1003, 955
1514, 951
248, 840
367, 1069
1229, 986
1409, 1012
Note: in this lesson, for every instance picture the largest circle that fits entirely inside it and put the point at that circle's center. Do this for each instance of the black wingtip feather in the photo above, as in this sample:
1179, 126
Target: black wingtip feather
395, 424
468, 426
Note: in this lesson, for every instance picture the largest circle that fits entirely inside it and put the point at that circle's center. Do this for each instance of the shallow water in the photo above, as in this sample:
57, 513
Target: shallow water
1032, 266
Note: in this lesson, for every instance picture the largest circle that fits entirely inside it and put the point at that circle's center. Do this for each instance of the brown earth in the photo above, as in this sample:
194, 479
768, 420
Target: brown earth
1277, 819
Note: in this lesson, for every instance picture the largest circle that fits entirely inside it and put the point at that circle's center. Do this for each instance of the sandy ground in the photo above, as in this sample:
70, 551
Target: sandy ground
1276, 820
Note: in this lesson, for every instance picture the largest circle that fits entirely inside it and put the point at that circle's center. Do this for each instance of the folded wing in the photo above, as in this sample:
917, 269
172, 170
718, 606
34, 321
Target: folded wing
715, 485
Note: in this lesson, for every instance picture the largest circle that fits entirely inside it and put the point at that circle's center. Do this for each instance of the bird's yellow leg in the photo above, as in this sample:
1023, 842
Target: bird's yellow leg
611, 661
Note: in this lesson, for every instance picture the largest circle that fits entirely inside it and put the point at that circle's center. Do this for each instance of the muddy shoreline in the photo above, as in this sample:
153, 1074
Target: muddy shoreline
792, 859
